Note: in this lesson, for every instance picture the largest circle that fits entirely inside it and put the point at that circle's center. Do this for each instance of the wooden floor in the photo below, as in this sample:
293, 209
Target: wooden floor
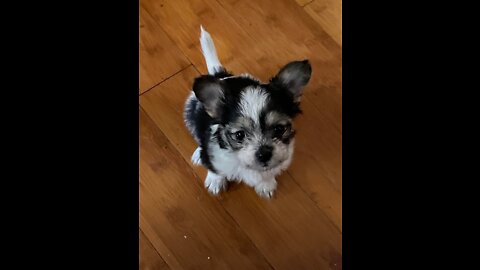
181, 225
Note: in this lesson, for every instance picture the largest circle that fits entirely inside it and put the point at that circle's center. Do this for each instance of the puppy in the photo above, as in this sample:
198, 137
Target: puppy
243, 126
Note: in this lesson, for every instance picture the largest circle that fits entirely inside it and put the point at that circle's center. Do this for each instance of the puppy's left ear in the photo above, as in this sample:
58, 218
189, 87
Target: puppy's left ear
293, 77
211, 93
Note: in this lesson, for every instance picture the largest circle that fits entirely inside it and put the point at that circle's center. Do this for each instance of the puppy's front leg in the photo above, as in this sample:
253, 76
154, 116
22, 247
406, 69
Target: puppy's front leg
266, 187
215, 183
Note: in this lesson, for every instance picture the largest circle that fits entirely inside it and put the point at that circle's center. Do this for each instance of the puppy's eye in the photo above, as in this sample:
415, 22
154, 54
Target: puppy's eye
278, 130
239, 135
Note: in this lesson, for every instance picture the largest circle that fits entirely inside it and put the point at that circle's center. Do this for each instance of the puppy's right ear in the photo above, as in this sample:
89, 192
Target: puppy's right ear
293, 77
211, 93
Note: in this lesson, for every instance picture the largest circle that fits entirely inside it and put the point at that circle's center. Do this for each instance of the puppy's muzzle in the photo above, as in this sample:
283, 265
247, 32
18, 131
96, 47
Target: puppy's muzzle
264, 154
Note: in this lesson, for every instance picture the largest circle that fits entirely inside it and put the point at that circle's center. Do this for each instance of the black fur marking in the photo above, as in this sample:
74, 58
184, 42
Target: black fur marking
234, 88
222, 73
205, 157
282, 101
210, 92
232, 143
196, 116
289, 138
262, 117
219, 138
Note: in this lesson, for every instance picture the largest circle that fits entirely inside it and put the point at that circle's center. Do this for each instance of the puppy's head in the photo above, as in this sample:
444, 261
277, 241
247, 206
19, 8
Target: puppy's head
255, 119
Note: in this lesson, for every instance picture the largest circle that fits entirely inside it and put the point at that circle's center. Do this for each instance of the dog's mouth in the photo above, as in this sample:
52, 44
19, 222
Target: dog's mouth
264, 169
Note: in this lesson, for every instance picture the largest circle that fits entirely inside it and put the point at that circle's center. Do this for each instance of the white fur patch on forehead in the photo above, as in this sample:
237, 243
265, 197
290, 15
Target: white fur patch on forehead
252, 101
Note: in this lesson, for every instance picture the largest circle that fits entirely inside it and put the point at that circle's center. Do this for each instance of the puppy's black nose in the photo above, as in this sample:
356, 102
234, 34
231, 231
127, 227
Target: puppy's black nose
264, 153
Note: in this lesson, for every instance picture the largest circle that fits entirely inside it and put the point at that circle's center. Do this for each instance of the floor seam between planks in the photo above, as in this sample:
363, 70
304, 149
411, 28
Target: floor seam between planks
153, 246
316, 204
166, 79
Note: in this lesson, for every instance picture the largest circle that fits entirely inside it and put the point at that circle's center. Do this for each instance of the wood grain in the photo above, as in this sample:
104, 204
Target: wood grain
254, 36
188, 228
328, 14
159, 57
260, 37
290, 231
149, 258
185, 225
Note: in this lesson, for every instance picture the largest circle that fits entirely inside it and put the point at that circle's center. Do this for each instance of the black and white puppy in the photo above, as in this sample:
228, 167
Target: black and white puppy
243, 126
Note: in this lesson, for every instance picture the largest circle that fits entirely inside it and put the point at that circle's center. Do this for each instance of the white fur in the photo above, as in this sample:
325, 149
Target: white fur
246, 155
215, 183
252, 101
266, 188
209, 52
213, 128
230, 167
196, 160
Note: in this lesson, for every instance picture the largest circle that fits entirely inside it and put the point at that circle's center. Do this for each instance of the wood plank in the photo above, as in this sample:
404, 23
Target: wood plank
317, 164
190, 229
250, 36
260, 37
328, 14
149, 258
291, 231
158, 243
182, 20
165, 104
159, 57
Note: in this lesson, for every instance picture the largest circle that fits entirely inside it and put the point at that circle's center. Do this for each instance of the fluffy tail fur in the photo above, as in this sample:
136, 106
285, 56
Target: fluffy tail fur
209, 53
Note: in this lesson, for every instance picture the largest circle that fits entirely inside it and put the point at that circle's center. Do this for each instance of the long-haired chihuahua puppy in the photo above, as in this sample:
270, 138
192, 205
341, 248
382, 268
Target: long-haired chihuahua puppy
244, 126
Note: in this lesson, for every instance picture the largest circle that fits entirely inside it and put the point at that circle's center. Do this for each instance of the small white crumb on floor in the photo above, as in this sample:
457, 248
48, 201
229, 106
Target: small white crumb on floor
208, 258
185, 236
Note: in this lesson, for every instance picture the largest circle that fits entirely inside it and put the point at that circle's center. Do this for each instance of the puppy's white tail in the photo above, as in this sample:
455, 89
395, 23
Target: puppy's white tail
209, 52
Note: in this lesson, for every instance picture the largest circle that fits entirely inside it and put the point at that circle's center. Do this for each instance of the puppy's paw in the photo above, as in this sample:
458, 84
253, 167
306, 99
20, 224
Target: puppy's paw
266, 189
215, 183
196, 160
